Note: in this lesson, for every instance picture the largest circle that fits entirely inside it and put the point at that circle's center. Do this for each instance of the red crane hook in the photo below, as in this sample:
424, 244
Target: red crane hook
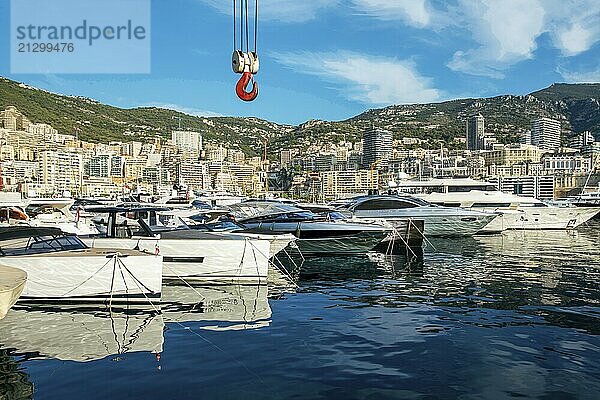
242, 84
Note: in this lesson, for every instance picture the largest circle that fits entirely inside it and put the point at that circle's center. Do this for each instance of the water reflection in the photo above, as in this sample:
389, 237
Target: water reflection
80, 335
511, 315
14, 382
219, 308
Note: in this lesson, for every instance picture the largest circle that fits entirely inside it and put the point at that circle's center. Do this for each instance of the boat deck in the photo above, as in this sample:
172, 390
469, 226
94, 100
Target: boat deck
90, 252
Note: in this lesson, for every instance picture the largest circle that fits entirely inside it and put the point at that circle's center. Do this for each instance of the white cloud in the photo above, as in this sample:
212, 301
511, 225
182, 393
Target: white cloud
280, 10
186, 110
573, 25
413, 12
364, 78
506, 32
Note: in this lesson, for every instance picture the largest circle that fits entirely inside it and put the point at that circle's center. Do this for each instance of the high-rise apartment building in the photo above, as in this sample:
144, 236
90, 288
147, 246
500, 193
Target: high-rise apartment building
61, 171
377, 147
545, 133
475, 132
187, 140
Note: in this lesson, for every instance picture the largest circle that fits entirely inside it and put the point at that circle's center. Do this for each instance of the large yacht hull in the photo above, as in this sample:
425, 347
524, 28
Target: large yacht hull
278, 242
89, 276
539, 218
351, 244
218, 259
325, 237
441, 225
517, 212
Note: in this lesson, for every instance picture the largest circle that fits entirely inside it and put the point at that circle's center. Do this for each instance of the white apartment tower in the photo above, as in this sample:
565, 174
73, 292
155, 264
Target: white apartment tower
187, 140
545, 133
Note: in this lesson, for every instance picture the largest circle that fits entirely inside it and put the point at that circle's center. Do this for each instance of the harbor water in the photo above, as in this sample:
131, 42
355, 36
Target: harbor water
488, 317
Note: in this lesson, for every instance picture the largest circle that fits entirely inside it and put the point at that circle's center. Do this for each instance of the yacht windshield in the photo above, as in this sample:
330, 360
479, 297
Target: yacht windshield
40, 245
388, 203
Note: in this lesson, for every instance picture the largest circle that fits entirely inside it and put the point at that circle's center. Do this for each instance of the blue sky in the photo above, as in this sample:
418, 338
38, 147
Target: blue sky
332, 59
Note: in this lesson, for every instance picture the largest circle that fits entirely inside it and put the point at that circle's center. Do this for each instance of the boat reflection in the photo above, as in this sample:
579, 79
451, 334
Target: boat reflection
80, 335
219, 308
84, 335
370, 266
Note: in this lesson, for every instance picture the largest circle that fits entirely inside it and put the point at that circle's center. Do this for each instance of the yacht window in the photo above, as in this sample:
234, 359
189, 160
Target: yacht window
298, 216
387, 204
449, 204
495, 205
178, 200
226, 225
335, 216
518, 188
455, 189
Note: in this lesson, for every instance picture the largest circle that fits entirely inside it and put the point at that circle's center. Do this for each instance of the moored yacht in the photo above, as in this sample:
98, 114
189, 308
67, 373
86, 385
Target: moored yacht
395, 210
188, 254
315, 235
517, 212
60, 268
12, 209
586, 199
221, 221
56, 213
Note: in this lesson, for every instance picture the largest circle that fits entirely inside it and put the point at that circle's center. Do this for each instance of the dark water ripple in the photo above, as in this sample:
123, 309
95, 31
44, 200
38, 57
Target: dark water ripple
492, 317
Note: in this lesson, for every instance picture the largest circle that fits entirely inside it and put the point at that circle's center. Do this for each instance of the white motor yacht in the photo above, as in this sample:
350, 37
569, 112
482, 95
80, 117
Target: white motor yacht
396, 210
56, 213
587, 199
61, 268
12, 209
517, 212
219, 221
188, 254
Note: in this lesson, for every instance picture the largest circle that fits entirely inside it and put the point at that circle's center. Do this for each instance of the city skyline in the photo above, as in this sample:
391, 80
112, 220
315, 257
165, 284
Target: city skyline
37, 159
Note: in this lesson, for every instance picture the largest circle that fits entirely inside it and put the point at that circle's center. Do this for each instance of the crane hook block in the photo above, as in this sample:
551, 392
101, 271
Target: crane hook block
242, 84
238, 61
254, 62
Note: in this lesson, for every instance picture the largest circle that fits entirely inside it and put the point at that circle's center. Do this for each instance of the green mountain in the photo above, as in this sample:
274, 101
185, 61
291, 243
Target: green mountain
97, 122
575, 105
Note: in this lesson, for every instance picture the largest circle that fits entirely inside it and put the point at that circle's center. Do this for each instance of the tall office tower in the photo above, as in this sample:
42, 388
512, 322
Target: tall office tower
475, 132
545, 133
377, 147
